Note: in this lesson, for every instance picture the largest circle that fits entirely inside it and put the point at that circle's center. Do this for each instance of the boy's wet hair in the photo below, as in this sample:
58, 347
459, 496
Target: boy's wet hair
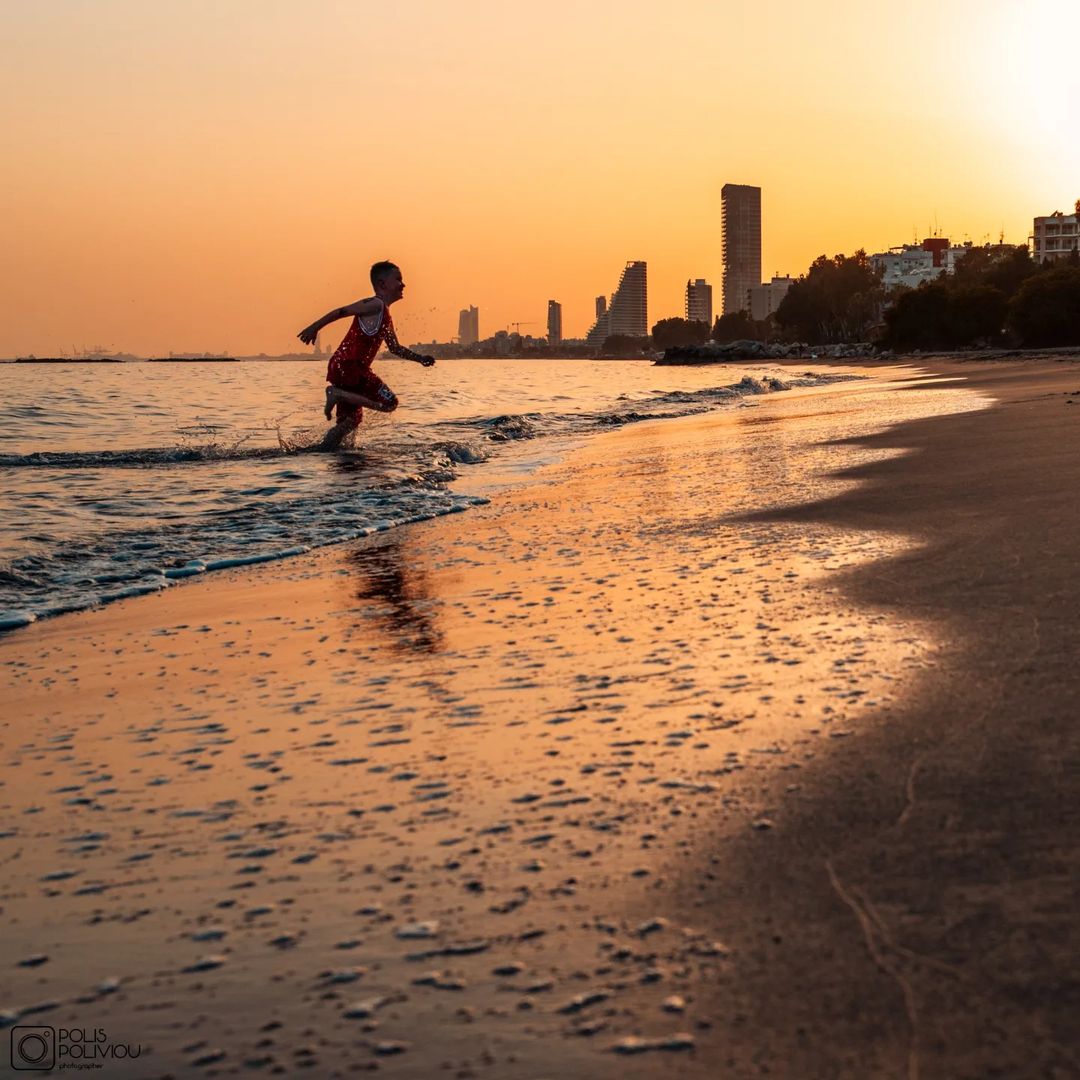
382, 270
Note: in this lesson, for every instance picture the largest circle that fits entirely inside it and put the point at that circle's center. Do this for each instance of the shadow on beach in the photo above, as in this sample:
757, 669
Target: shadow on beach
919, 891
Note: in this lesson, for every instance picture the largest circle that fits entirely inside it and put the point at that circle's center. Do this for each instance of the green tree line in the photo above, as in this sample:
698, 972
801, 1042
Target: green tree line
995, 296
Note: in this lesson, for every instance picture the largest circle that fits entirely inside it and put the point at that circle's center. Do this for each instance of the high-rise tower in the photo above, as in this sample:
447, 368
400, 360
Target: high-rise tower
628, 312
742, 244
554, 322
469, 325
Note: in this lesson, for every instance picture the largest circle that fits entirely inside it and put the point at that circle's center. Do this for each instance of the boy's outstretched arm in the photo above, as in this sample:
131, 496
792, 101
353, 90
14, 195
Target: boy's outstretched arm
398, 349
363, 308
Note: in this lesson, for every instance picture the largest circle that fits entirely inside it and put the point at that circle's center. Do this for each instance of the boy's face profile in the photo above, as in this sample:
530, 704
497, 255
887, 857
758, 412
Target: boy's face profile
391, 286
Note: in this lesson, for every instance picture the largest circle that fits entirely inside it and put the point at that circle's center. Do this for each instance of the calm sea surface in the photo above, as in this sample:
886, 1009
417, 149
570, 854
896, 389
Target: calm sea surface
119, 479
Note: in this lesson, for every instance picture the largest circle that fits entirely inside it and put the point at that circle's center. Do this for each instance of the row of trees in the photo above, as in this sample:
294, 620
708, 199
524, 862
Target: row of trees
990, 300
1046, 308
995, 296
838, 299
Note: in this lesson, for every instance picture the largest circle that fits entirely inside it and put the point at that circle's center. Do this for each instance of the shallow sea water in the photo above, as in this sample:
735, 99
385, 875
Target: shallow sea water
125, 479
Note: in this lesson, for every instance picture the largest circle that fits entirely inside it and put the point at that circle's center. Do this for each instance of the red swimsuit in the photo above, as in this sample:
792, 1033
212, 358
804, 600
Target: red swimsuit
350, 366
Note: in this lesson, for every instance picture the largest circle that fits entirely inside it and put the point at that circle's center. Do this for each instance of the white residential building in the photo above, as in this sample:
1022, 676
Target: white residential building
909, 265
699, 302
912, 264
765, 298
1055, 236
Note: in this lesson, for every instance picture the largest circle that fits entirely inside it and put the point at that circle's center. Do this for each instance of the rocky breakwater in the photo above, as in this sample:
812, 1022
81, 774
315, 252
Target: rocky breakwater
713, 352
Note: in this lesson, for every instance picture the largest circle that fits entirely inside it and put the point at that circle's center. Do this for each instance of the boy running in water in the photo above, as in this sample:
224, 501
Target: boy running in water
353, 384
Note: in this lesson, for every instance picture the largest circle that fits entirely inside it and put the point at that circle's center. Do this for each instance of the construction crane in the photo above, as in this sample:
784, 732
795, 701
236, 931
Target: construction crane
518, 325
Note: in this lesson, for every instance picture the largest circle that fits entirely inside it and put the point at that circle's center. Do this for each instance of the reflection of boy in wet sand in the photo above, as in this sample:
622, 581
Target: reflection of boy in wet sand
353, 384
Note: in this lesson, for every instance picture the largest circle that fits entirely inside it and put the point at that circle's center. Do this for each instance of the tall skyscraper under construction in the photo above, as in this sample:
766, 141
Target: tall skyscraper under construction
628, 312
741, 205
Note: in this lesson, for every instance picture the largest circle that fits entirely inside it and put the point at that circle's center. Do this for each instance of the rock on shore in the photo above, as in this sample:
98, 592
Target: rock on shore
713, 352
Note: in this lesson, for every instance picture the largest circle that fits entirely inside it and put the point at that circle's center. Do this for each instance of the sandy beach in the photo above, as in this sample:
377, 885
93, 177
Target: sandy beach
734, 745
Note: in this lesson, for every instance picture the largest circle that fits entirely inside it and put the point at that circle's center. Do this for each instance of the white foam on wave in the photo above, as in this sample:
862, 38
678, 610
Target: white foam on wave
15, 619
12, 620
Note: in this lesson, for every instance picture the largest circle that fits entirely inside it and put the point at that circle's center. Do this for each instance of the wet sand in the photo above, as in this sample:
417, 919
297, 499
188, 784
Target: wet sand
729, 746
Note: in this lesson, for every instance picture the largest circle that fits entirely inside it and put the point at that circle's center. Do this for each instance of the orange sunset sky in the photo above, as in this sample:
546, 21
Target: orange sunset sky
214, 174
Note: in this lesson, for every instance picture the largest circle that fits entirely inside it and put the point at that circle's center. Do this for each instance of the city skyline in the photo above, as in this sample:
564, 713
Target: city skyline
158, 212
763, 300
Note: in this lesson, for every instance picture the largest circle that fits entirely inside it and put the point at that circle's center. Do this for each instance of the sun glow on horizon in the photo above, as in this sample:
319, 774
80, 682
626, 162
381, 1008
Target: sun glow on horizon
206, 176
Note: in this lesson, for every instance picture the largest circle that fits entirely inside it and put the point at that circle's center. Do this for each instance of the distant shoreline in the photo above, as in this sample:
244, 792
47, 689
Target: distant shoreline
959, 356
155, 359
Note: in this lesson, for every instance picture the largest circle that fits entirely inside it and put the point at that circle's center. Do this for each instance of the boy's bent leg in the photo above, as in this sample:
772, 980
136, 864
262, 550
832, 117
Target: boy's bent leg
353, 399
382, 397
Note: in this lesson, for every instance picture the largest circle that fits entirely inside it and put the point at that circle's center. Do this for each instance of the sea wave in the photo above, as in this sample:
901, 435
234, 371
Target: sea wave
140, 458
401, 475
486, 429
61, 577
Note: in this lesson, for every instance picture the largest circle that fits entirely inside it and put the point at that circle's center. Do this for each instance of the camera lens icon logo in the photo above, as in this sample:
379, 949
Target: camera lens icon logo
33, 1048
